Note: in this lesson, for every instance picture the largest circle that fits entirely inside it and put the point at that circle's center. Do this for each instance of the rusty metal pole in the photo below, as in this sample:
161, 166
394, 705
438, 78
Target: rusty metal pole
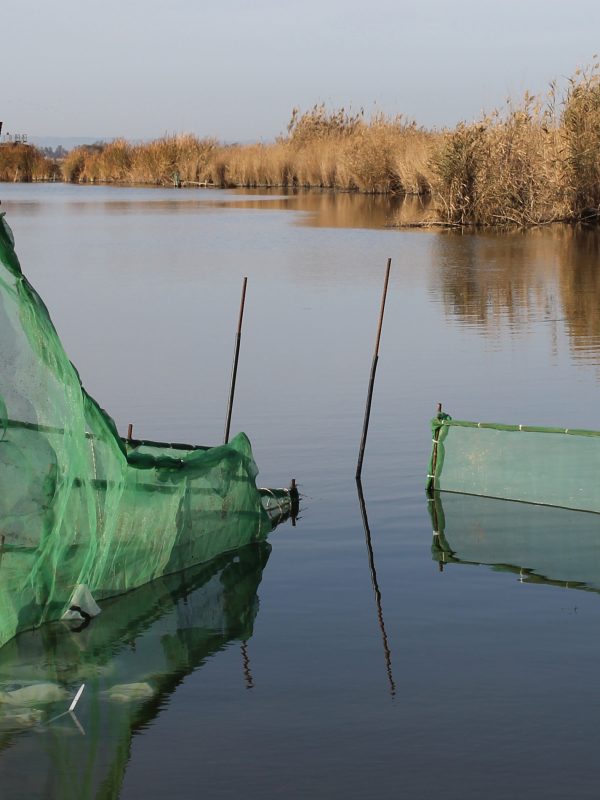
363, 440
436, 437
238, 339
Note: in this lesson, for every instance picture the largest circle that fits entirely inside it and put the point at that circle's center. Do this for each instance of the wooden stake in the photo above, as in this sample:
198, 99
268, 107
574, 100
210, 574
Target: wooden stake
363, 440
238, 339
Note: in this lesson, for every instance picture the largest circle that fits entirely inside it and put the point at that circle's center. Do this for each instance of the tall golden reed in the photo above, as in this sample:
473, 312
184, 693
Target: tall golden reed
323, 149
532, 164
24, 163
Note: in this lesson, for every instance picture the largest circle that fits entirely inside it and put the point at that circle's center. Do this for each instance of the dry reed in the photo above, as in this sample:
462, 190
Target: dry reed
326, 150
25, 163
530, 165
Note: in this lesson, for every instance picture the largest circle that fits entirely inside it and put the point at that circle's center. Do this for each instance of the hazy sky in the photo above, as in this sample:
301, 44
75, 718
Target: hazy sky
235, 69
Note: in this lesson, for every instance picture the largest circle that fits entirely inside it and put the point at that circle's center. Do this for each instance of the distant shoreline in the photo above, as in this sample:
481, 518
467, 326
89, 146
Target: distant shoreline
525, 167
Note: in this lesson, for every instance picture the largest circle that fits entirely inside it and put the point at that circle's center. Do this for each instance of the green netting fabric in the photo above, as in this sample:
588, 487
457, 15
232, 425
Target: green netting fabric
547, 466
78, 507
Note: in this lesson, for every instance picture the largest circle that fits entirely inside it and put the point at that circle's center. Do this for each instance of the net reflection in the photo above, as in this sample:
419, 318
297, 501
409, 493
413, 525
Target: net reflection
539, 544
131, 660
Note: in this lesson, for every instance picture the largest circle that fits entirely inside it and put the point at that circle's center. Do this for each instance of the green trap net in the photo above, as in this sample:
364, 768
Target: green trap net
546, 466
85, 515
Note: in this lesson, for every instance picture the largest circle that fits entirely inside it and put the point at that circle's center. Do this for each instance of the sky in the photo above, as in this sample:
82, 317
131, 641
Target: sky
235, 70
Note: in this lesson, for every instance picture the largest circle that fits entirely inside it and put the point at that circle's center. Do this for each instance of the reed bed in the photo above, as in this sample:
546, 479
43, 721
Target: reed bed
503, 170
23, 163
172, 159
332, 150
533, 163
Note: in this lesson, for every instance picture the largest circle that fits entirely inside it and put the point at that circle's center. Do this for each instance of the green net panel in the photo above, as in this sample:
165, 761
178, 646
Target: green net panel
546, 466
84, 514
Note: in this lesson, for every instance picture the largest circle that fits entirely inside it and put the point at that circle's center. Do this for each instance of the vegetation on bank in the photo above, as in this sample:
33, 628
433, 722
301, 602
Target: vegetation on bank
326, 150
22, 162
533, 163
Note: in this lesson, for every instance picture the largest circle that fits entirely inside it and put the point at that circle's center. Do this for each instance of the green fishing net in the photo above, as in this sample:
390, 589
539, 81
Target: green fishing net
85, 515
547, 466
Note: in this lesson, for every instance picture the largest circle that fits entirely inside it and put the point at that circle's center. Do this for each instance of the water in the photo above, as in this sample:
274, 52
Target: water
468, 682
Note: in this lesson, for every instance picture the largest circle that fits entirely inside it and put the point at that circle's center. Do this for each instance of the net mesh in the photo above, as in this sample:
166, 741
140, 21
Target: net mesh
80, 506
547, 466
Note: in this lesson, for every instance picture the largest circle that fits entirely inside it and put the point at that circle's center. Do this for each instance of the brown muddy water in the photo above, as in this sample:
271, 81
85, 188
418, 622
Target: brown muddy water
459, 666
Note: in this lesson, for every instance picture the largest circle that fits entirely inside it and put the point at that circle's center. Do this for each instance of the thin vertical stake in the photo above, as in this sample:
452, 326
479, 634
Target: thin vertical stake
436, 437
363, 440
236, 356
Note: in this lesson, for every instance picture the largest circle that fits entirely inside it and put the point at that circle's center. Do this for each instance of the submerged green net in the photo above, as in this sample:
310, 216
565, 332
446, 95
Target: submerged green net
547, 466
82, 511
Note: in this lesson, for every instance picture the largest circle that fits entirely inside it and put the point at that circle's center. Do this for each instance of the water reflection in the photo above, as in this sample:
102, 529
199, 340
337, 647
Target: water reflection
579, 259
318, 208
376, 590
539, 544
494, 282
131, 659
327, 209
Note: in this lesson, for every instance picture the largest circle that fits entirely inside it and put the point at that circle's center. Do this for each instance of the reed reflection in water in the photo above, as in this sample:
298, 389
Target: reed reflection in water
327, 209
509, 281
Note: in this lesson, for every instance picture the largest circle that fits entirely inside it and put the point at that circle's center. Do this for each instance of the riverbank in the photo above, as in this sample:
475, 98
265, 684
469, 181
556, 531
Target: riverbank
532, 164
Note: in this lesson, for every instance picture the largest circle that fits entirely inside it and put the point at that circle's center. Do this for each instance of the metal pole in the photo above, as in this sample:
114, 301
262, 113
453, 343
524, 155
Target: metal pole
436, 436
238, 339
294, 501
363, 440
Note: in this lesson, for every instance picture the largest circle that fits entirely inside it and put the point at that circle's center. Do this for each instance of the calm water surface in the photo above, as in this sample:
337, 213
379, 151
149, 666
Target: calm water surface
458, 666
